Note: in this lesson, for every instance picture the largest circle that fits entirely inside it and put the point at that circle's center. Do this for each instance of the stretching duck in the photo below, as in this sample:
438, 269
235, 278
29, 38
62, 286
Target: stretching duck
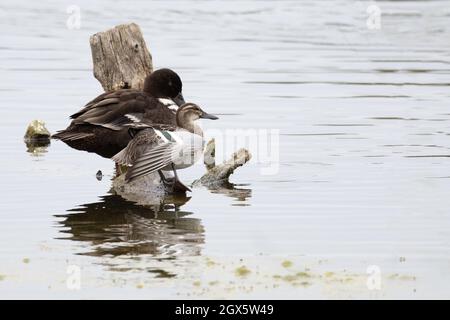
101, 126
157, 147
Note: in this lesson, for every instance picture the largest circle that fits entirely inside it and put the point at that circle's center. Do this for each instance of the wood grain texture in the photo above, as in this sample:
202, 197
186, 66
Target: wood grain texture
121, 58
218, 175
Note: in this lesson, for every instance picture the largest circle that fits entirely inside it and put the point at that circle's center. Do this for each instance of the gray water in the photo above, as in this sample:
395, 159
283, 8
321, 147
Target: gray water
362, 181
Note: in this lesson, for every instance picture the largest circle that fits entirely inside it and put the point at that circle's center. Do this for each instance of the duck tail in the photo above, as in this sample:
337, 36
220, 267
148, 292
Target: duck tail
65, 135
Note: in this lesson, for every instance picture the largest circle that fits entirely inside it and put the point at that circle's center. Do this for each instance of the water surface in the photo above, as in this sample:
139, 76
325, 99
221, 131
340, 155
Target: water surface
363, 174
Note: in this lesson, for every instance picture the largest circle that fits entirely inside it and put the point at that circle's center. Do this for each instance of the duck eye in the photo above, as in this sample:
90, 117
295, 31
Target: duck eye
170, 83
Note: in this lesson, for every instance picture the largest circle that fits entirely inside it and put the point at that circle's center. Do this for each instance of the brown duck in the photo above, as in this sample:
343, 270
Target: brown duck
159, 147
102, 126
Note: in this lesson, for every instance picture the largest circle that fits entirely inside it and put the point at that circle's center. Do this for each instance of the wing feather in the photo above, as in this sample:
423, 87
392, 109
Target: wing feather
152, 161
113, 110
70, 136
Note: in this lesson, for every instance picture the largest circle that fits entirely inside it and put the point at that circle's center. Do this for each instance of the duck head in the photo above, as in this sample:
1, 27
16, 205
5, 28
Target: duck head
165, 83
188, 113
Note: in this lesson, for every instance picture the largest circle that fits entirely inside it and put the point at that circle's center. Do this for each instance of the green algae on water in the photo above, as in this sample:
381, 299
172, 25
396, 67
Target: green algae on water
242, 271
197, 283
287, 264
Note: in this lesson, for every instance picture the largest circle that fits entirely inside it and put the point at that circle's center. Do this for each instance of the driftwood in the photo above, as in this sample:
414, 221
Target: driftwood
218, 175
121, 60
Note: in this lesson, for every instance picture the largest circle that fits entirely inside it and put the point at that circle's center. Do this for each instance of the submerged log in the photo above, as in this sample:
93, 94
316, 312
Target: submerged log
121, 60
218, 175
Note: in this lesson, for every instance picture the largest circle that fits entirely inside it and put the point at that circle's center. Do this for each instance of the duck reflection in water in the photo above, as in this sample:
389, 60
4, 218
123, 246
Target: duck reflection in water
114, 226
145, 234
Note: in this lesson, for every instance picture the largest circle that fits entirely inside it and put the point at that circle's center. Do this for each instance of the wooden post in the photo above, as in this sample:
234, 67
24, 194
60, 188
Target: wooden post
121, 58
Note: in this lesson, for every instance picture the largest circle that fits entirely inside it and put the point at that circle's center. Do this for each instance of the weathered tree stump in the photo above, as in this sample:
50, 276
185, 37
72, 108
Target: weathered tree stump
121, 60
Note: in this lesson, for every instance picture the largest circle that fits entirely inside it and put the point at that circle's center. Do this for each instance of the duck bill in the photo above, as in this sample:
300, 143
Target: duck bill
179, 100
208, 116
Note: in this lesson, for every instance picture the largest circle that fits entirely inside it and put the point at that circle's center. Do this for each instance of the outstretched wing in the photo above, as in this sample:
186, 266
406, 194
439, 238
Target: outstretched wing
152, 160
145, 137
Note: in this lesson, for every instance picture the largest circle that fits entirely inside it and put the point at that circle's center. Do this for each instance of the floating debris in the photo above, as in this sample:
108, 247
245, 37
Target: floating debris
303, 274
217, 175
290, 278
305, 284
242, 271
397, 276
26, 260
287, 263
210, 263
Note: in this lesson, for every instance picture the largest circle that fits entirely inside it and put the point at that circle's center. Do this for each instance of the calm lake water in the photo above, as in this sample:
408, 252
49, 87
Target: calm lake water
359, 207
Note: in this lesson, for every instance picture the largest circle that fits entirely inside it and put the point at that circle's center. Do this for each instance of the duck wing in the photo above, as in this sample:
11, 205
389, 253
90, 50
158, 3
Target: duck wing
153, 147
145, 137
106, 98
137, 126
172, 148
142, 140
116, 109
152, 160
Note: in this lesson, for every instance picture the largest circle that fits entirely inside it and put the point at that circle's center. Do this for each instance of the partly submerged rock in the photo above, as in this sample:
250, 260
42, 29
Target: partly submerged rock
36, 130
37, 138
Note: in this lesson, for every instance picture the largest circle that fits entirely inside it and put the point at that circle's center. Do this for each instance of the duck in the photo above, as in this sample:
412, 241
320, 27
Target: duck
101, 125
162, 147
